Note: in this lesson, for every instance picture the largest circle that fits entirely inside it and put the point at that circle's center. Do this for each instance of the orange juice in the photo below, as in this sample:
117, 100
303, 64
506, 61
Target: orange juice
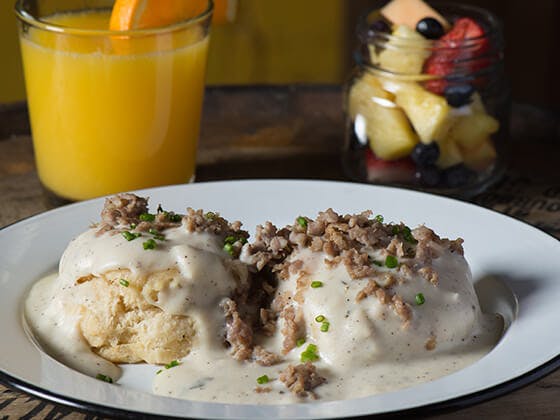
113, 112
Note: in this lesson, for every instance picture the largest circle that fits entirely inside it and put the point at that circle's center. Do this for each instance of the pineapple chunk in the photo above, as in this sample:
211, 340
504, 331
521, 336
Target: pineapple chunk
364, 92
427, 112
476, 104
389, 132
470, 131
404, 53
449, 155
480, 157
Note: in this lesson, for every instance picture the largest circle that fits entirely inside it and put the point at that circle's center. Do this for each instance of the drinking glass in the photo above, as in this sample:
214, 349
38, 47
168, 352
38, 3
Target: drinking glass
110, 110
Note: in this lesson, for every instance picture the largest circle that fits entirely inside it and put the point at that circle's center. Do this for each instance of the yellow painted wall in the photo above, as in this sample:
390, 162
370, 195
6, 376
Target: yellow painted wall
280, 41
270, 41
11, 73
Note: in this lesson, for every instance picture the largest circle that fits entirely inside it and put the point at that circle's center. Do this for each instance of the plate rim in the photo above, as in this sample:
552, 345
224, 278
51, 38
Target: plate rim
439, 407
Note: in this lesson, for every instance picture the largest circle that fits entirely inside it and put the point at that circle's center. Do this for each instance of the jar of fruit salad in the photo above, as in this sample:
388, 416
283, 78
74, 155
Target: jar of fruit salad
428, 105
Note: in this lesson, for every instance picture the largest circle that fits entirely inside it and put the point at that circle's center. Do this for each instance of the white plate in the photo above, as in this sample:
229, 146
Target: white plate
524, 259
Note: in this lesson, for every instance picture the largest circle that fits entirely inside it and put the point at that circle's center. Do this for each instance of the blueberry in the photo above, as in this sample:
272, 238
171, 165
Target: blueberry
459, 95
379, 26
429, 176
430, 28
425, 154
457, 176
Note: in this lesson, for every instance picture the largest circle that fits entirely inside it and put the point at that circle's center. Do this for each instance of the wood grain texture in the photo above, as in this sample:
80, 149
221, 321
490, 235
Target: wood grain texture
295, 132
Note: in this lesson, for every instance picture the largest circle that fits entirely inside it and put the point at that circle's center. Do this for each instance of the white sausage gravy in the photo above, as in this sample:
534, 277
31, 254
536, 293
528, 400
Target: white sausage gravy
331, 308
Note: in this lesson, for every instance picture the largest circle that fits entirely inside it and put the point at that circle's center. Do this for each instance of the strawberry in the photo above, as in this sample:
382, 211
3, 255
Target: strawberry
401, 170
460, 47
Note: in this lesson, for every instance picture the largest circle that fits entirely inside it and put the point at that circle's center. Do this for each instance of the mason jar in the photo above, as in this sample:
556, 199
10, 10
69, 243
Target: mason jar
429, 114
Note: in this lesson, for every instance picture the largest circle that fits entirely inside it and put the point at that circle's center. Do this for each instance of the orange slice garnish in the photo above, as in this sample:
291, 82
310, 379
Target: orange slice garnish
139, 14
224, 11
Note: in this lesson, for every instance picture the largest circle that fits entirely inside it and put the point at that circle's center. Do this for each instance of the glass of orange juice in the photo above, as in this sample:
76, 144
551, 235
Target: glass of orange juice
113, 110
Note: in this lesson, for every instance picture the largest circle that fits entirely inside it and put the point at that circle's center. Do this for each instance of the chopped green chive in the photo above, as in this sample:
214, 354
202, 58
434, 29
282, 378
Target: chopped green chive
420, 299
147, 217
263, 379
228, 248
309, 354
172, 217
130, 236
171, 364
407, 235
391, 261
150, 244
316, 284
210, 215
175, 218
232, 239
379, 218
302, 221
124, 282
300, 342
133, 226
104, 378
396, 229
308, 357
157, 234
324, 323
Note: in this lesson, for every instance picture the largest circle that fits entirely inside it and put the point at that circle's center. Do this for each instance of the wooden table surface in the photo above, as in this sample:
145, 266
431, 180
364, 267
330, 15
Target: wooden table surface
296, 132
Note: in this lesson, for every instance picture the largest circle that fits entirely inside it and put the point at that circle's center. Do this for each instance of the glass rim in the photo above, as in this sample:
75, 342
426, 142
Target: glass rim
38, 23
